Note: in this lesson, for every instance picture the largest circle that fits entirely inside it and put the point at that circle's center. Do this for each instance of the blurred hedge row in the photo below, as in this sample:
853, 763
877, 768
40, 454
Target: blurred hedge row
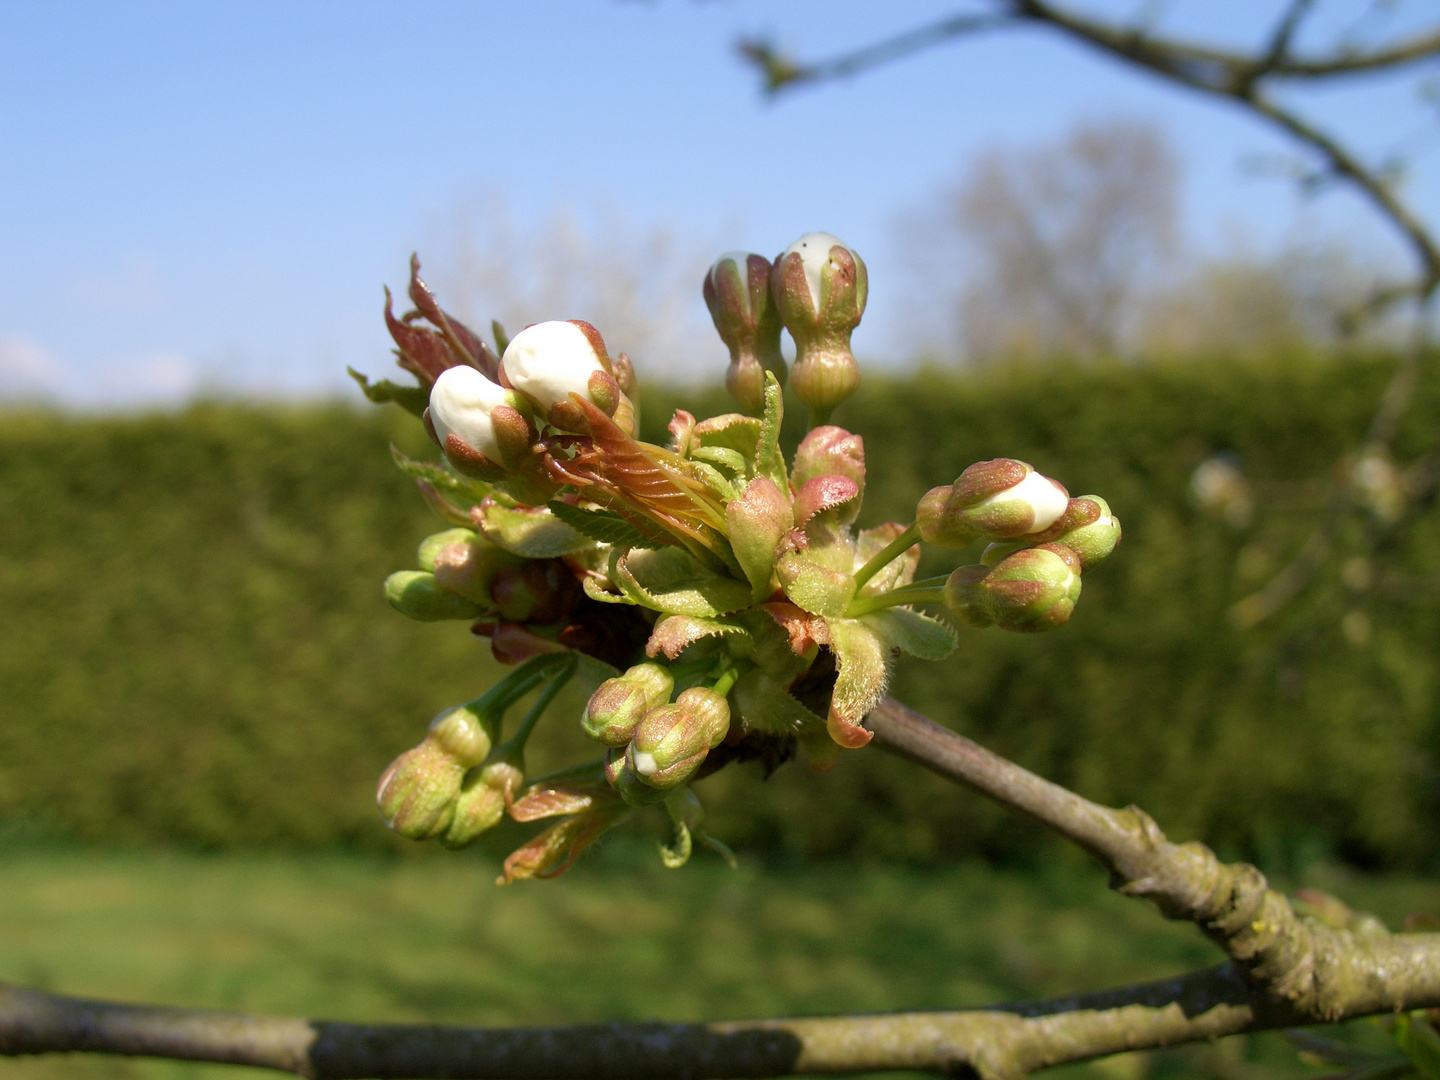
195, 649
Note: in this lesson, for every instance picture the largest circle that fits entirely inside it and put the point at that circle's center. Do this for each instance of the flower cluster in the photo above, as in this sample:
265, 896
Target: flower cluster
717, 594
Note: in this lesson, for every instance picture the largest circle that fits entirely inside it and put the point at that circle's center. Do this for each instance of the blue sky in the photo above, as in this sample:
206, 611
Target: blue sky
208, 197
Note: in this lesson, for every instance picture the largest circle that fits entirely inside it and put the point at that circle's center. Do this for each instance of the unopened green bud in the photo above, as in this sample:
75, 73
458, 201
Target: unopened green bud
433, 545
1032, 590
1091, 530
1003, 499
938, 525
417, 793
820, 287
481, 802
1087, 528
416, 593
618, 705
468, 568
672, 741
737, 292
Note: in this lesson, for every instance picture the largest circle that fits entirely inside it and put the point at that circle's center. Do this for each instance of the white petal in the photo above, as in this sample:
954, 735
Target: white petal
814, 249
460, 404
645, 763
1046, 500
549, 361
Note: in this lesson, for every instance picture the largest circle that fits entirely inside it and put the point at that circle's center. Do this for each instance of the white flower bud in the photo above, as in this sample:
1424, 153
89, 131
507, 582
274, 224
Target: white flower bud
549, 361
1046, 500
460, 404
814, 249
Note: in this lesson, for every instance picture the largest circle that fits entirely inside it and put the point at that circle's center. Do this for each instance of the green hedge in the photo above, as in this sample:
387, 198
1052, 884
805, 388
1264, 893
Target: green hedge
195, 649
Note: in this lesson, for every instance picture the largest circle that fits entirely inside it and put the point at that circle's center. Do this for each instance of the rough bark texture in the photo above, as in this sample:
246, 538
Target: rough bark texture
1284, 971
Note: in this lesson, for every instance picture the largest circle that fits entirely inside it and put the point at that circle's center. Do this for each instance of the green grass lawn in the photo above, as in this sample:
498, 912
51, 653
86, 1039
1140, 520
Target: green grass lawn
433, 939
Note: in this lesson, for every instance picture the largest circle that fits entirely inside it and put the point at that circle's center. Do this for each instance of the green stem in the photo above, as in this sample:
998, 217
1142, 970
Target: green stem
562, 676
520, 682
929, 591
888, 554
723, 684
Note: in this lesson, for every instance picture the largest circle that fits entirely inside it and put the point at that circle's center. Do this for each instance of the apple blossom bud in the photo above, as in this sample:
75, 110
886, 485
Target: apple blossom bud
1032, 590
737, 292
1091, 530
417, 793
618, 705
469, 567
672, 740
938, 525
480, 804
1087, 528
483, 429
433, 545
820, 287
1001, 499
549, 361
418, 595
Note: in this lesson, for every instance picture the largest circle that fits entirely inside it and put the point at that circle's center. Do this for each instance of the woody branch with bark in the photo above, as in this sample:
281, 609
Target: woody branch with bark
1251, 80
718, 599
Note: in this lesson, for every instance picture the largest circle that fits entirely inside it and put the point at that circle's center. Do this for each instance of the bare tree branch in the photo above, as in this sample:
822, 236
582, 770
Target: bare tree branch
1284, 971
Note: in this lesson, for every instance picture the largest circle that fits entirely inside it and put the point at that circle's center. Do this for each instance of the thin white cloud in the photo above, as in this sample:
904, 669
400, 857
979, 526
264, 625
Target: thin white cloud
28, 370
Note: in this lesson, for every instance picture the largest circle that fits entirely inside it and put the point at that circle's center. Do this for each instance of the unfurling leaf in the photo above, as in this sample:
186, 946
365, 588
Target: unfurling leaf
673, 581
529, 531
412, 399
604, 526
911, 632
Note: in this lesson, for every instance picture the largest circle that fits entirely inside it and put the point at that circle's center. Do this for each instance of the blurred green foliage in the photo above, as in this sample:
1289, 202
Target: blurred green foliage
195, 649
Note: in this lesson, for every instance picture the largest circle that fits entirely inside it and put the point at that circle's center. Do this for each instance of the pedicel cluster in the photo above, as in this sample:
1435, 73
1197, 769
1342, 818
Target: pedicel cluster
718, 597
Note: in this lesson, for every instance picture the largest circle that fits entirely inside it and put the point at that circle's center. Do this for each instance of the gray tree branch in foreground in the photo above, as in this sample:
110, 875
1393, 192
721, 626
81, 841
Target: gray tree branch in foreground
1284, 970
1246, 80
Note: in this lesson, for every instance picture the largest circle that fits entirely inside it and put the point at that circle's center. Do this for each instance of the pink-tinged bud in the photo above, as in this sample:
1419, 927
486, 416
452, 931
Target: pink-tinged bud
418, 595
535, 591
417, 793
550, 361
820, 287
737, 292
433, 545
829, 451
1034, 589
756, 523
938, 525
467, 568
481, 802
672, 740
618, 705
822, 493
1087, 528
1001, 499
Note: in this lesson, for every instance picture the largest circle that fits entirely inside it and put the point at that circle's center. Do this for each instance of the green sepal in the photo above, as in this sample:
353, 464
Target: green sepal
439, 477
769, 461
596, 591
862, 657
734, 460
912, 632
530, 532
674, 633
604, 526
673, 581
414, 593
413, 399
764, 705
